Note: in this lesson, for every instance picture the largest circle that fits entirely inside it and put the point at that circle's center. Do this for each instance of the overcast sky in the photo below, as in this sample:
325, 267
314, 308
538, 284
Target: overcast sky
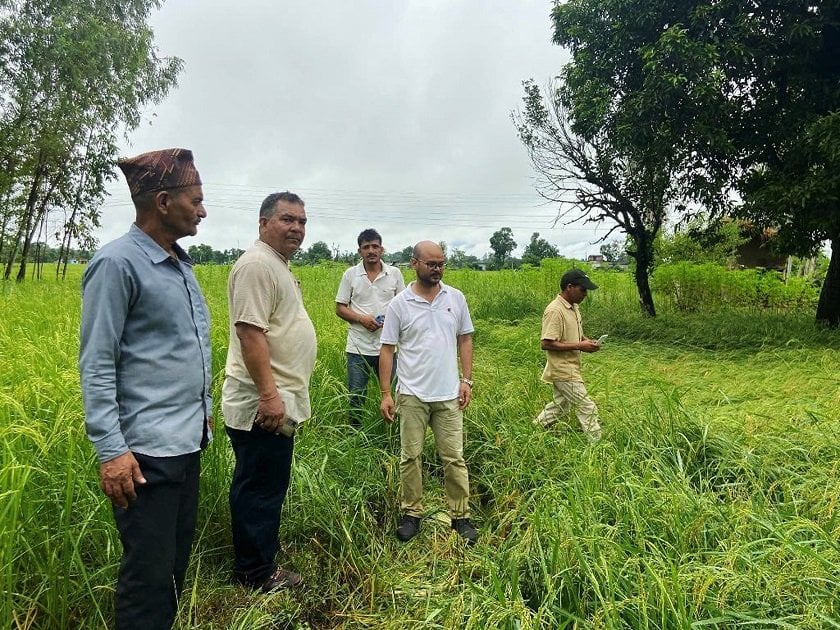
392, 115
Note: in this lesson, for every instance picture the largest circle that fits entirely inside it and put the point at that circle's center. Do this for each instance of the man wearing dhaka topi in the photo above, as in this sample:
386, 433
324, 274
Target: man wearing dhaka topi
144, 361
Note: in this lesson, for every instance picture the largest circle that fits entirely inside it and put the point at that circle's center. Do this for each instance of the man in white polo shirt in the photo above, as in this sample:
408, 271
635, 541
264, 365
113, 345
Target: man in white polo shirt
431, 324
363, 295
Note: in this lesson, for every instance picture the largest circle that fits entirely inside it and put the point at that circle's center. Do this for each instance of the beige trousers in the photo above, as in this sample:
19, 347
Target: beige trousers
447, 422
571, 396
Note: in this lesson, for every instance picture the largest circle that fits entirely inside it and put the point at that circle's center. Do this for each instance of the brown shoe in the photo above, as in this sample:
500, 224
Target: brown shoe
280, 579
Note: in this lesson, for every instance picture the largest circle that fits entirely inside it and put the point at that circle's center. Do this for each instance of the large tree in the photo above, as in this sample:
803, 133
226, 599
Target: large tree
73, 74
727, 94
604, 140
537, 250
317, 252
790, 75
502, 244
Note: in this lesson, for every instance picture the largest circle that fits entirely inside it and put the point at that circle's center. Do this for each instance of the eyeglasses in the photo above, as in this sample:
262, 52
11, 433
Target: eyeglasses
433, 264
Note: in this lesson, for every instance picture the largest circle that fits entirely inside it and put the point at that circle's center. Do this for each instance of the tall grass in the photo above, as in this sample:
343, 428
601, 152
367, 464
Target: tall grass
712, 500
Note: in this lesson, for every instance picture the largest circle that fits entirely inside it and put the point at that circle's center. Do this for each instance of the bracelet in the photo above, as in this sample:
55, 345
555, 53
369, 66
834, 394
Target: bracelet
272, 397
468, 382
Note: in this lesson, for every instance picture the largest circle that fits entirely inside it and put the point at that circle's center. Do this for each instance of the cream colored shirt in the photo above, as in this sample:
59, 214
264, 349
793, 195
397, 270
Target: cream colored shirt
561, 322
263, 292
367, 298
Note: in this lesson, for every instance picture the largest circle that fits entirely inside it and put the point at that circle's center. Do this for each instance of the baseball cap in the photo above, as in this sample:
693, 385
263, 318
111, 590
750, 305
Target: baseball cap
578, 277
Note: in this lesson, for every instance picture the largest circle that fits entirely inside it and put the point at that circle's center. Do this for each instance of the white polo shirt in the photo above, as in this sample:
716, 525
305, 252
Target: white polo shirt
368, 298
427, 336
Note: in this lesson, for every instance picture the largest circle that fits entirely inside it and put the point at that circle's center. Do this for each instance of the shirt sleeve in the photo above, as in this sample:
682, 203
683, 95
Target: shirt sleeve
253, 295
345, 289
552, 326
465, 325
107, 289
391, 326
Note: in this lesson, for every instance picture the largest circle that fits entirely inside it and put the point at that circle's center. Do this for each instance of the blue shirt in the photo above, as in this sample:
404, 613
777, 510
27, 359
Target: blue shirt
144, 357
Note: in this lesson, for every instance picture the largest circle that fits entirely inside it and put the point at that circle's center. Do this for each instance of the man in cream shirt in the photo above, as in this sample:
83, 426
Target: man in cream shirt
266, 389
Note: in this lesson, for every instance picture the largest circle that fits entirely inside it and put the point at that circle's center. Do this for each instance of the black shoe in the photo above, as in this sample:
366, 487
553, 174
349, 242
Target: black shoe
280, 579
465, 530
408, 527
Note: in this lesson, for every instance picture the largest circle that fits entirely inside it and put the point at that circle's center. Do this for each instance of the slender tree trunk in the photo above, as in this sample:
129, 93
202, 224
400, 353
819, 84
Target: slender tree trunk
7, 215
30, 234
40, 216
644, 262
828, 308
26, 222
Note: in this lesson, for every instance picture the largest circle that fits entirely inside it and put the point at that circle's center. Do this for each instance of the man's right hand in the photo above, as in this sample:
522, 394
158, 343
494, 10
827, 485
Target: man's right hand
117, 478
386, 407
271, 414
369, 322
587, 345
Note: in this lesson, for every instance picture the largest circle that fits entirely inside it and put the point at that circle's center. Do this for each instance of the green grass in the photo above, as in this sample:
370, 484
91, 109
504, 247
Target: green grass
712, 500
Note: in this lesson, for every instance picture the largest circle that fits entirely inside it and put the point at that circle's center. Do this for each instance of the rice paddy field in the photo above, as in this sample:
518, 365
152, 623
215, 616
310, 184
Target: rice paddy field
712, 501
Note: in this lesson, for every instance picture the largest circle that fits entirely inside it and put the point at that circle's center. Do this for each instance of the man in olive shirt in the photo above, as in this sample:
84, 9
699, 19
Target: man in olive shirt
144, 361
266, 389
563, 340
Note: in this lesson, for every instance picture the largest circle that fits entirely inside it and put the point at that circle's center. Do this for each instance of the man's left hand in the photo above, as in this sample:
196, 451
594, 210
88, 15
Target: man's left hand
464, 396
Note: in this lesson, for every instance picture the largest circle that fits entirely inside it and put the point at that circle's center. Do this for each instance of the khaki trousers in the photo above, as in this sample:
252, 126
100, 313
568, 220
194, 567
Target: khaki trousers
571, 396
447, 422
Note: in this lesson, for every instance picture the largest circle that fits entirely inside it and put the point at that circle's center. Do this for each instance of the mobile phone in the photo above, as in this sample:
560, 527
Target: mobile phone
602, 339
289, 427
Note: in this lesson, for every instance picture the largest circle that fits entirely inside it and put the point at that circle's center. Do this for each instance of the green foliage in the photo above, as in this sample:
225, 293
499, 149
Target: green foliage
614, 253
318, 252
459, 259
719, 95
701, 242
710, 287
205, 255
502, 244
537, 250
401, 257
710, 501
72, 73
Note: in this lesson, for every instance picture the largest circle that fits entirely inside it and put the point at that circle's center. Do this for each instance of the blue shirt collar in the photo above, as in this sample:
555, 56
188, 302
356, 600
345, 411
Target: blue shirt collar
155, 252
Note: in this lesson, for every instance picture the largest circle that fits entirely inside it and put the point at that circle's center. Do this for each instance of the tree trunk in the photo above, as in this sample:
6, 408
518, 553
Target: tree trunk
26, 220
828, 308
644, 261
40, 215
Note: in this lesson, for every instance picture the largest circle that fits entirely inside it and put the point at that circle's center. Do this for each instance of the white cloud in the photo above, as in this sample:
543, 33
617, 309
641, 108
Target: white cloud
387, 115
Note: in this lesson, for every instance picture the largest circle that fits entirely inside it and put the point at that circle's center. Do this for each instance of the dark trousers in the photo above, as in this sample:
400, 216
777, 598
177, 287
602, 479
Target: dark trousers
156, 532
360, 367
257, 491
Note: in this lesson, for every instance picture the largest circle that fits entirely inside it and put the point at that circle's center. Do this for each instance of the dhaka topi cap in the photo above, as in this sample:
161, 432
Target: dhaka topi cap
578, 277
159, 170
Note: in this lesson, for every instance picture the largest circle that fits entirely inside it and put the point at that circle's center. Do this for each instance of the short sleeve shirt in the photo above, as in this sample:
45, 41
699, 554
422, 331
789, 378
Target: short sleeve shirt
561, 322
367, 298
263, 292
427, 336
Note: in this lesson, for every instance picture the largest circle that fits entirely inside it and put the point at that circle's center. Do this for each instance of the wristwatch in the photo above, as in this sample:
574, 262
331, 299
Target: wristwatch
467, 381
